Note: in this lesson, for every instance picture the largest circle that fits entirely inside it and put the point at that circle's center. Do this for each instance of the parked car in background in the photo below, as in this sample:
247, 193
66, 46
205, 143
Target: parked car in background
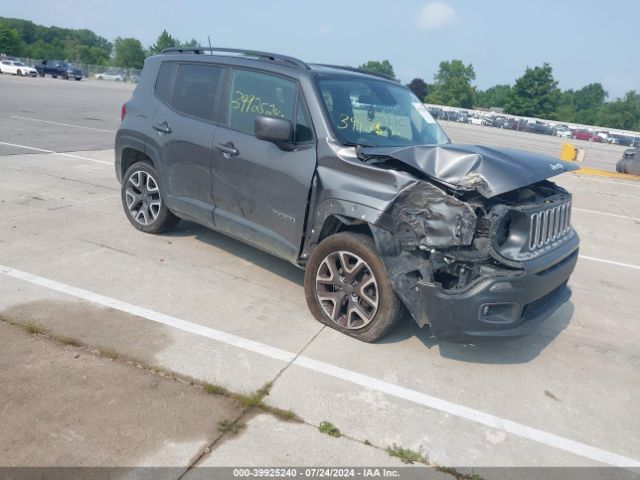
435, 112
540, 128
624, 140
630, 162
58, 68
518, 125
112, 75
562, 131
499, 122
606, 138
16, 67
586, 135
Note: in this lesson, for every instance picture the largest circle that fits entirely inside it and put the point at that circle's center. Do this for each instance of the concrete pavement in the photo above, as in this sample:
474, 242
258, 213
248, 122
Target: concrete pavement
74, 232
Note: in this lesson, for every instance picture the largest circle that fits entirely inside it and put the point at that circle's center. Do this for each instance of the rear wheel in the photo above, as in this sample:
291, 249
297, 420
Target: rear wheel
347, 287
142, 200
19, 73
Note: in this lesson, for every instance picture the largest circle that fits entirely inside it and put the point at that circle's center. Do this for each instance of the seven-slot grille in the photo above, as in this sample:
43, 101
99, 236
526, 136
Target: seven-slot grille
549, 225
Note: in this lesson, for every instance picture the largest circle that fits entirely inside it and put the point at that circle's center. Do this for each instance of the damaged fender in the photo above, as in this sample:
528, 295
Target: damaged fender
422, 219
424, 215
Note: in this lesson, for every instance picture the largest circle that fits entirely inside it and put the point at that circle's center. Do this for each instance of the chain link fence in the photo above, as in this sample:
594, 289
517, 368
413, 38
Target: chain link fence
98, 72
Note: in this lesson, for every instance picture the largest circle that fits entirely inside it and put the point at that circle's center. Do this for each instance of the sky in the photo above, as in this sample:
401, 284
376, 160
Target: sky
584, 41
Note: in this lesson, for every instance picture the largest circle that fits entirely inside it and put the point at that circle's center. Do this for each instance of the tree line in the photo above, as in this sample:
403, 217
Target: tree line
534, 94
23, 38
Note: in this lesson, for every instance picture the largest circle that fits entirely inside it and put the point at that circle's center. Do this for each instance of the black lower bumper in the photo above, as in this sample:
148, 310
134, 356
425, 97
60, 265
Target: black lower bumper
499, 307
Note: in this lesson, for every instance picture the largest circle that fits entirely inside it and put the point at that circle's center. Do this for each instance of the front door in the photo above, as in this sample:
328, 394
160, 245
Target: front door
260, 190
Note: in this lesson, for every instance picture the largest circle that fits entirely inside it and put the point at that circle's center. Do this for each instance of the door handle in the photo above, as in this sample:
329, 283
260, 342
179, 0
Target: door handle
227, 148
162, 127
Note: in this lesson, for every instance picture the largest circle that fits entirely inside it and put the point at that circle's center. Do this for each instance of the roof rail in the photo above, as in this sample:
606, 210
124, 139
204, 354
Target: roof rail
274, 57
358, 70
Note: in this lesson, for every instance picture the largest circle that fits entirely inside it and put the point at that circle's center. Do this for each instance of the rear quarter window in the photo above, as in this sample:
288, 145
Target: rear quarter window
163, 82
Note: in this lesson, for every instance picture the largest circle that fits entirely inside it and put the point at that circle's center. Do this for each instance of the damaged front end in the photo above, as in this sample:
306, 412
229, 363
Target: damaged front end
473, 265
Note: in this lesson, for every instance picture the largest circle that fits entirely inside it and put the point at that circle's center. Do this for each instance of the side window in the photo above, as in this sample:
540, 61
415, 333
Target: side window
163, 82
303, 129
255, 93
195, 90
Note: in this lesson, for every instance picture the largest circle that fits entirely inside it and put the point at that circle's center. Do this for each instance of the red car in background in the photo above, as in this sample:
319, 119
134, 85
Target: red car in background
585, 135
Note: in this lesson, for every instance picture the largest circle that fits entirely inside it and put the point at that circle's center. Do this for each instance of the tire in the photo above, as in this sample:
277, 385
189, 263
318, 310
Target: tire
142, 200
19, 73
54, 76
367, 287
78, 79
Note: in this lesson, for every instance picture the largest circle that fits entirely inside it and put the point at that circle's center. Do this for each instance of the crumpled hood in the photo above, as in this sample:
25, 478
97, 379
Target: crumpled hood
491, 171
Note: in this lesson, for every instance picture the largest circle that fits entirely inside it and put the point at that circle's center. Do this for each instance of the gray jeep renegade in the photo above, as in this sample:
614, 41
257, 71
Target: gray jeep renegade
348, 176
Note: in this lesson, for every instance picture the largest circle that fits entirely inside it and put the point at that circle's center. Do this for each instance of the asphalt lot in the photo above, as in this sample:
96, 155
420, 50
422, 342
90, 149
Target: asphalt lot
208, 307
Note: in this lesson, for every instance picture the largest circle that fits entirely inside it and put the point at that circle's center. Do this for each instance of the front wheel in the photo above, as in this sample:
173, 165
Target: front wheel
142, 200
19, 73
347, 287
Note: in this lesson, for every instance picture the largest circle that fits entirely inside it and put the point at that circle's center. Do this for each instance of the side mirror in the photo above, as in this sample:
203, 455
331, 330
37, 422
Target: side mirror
275, 130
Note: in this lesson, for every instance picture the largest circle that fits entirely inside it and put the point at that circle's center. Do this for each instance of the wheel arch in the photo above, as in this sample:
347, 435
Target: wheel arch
131, 155
339, 223
129, 150
333, 216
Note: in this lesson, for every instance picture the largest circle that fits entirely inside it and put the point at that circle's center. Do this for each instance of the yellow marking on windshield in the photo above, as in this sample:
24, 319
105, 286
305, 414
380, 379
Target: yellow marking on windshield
248, 103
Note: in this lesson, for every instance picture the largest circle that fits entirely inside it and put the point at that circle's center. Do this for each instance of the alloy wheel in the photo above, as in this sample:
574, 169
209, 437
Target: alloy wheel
143, 197
347, 290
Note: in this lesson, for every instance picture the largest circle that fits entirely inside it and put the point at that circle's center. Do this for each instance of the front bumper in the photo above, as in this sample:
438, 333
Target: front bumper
501, 307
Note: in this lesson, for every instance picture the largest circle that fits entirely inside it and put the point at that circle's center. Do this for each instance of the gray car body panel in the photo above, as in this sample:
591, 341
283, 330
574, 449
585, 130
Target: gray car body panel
286, 202
630, 162
488, 170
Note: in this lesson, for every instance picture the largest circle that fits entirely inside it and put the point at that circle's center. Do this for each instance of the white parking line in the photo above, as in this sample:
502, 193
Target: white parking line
597, 212
62, 124
56, 153
461, 411
610, 262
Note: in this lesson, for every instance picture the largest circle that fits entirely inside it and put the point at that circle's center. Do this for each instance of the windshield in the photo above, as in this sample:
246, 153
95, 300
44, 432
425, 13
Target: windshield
375, 113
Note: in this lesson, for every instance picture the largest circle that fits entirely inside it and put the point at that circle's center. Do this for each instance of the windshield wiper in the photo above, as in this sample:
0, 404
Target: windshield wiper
361, 145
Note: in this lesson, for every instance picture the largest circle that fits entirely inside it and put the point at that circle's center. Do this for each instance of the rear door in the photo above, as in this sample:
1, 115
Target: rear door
260, 190
184, 129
